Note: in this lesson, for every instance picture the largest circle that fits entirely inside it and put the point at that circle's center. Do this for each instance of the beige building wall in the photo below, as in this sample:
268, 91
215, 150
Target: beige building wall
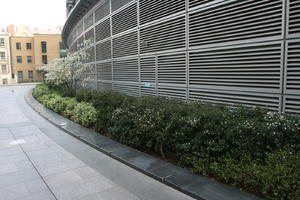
53, 48
39, 58
5, 62
25, 67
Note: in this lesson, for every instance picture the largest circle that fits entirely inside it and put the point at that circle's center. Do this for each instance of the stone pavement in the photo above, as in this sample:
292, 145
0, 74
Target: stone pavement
38, 161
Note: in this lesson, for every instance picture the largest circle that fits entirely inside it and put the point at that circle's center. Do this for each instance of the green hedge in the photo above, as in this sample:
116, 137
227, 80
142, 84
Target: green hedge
252, 149
81, 112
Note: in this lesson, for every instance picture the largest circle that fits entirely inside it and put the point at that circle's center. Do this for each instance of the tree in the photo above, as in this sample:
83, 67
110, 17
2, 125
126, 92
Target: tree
71, 71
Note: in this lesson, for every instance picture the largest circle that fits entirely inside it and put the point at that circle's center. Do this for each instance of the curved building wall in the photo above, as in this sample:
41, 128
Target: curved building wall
221, 51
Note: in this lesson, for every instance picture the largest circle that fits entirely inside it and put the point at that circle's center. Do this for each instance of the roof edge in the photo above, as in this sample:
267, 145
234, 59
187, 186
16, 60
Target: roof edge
77, 13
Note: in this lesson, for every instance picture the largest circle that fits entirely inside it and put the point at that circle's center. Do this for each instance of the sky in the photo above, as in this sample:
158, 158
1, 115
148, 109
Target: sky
41, 14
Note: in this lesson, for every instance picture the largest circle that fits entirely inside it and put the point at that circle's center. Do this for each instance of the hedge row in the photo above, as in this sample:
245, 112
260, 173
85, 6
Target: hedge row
80, 112
252, 149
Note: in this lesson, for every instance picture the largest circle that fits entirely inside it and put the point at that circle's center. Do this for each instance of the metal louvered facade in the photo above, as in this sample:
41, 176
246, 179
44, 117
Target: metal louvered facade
220, 51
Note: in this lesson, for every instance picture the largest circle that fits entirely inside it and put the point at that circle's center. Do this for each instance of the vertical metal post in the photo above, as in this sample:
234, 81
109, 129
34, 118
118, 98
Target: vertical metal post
139, 46
156, 74
111, 46
187, 60
284, 52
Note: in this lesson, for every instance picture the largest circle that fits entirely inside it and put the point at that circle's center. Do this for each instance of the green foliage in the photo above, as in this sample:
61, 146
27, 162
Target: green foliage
71, 104
250, 148
85, 114
40, 90
82, 113
276, 177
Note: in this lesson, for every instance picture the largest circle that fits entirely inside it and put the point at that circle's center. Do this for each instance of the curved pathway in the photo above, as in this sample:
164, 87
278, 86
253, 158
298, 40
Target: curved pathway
38, 161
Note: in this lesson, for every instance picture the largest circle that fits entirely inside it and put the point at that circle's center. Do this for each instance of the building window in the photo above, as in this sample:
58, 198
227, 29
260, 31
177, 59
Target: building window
20, 75
63, 51
1, 42
44, 59
19, 59
4, 69
4, 81
18, 45
30, 74
29, 59
61, 46
28, 46
44, 46
2, 55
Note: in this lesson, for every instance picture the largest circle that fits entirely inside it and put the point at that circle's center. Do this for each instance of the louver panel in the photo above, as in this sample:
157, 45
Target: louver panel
293, 68
148, 70
245, 68
148, 91
116, 4
126, 70
172, 69
79, 28
125, 45
90, 36
153, 10
294, 17
235, 98
102, 11
91, 73
132, 90
91, 84
292, 104
73, 48
80, 43
236, 20
89, 21
91, 54
125, 19
104, 71
193, 3
103, 30
164, 36
104, 86
173, 92
103, 51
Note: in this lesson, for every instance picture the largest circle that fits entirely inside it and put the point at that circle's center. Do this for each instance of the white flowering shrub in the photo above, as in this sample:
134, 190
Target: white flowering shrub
71, 71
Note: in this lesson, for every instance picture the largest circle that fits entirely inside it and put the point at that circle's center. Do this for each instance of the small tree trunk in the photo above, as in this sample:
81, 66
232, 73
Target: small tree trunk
162, 153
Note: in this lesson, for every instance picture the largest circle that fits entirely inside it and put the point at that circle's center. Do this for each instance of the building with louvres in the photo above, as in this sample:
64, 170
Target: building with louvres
219, 51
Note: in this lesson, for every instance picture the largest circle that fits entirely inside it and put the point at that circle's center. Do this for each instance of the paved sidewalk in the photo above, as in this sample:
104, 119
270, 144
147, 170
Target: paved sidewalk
38, 161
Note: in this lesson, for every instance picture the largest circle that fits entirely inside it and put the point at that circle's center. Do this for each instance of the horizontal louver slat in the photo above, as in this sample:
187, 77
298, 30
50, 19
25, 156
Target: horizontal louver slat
148, 70
126, 70
132, 90
125, 19
125, 45
104, 71
163, 36
254, 68
172, 69
294, 17
237, 20
103, 30
103, 51
102, 11
293, 68
154, 10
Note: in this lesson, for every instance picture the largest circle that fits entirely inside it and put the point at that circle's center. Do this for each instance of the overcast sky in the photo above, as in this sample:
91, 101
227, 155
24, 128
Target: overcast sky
42, 14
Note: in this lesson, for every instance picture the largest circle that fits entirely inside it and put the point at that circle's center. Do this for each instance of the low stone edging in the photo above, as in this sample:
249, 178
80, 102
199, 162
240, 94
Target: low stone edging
196, 186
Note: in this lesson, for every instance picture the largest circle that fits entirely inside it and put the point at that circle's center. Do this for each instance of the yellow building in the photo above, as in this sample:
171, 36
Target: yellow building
29, 54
